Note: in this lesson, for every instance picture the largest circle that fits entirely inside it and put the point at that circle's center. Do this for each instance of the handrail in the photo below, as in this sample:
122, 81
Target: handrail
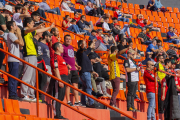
54, 23
125, 114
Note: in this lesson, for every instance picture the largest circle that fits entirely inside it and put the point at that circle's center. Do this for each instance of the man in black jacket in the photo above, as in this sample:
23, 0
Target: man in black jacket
85, 73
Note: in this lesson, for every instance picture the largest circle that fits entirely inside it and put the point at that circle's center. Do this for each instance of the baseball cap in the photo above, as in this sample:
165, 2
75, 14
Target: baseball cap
8, 8
116, 8
93, 31
143, 28
171, 45
46, 33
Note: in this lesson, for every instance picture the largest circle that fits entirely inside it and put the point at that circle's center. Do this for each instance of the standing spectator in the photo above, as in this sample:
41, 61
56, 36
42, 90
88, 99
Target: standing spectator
30, 54
144, 38
105, 25
59, 70
132, 72
172, 38
161, 76
114, 74
177, 82
18, 16
85, 26
13, 45
68, 56
150, 89
151, 5
86, 70
43, 5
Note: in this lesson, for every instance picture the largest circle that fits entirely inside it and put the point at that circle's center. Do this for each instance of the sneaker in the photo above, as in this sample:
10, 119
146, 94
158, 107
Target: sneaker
107, 95
136, 110
70, 103
99, 79
33, 99
41, 101
131, 109
25, 98
14, 98
60, 117
99, 95
79, 104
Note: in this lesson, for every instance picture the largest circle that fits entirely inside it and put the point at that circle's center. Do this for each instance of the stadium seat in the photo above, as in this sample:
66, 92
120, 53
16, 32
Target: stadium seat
148, 12
160, 14
173, 15
170, 9
137, 11
136, 6
175, 10
131, 11
130, 5
124, 5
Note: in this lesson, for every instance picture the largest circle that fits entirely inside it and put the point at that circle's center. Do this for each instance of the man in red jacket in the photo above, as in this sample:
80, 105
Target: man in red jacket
150, 89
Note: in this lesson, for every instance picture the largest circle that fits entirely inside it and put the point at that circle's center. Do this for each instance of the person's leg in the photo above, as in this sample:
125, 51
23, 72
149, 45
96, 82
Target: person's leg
94, 84
126, 20
115, 83
48, 77
98, 11
57, 10
2, 55
121, 19
126, 28
133, 94
12, 84
86, 77
151, 99
71, 28
73, 9
129, 94
41, 12
103, 86
32, 82
76, 29
75, 80
51, 11
91, 23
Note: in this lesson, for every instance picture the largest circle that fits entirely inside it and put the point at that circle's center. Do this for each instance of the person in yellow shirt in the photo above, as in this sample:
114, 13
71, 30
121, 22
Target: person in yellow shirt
114, 74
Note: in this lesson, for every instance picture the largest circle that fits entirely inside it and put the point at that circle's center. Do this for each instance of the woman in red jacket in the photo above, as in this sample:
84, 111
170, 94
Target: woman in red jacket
150, 89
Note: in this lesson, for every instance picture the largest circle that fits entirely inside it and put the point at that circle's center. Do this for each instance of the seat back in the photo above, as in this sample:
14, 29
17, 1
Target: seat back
8, 106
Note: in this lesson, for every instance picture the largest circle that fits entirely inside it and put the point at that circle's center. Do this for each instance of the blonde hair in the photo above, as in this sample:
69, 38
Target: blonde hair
139, 15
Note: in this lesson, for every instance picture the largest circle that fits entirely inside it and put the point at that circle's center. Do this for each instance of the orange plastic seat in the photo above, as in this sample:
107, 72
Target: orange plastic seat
8, 106
163, 30
113, 4
167, 14
163, 19
173, 15
124, 5
130, 5
160, 14
159, 24
137, 11
151, 18
2, 117
118, 3
154, 13
143, 96
148, 12
175, 20
136, 6
170, 9
43, 118
125, 10
143, 12
176, 10
157, 19
122, 95
131, 11
169, 20
165, 25
8, 117
177, 26
171, 24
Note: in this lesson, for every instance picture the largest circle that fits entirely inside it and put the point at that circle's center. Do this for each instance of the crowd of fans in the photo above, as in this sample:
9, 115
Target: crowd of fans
28, 38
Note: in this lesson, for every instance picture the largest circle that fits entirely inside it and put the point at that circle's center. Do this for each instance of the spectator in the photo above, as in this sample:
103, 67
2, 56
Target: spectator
85, 26
76, 16
172, 38
114, 21
14, 44
167, 65
150, 55
30, 56
132, 72
175, 31
36, 17
159, 44
151, 5
44, 62
59, 70
31, 9
71, 6
66, 22
105, 25
161, 76
93, 36
144, 38
18, 16
110, 39
150, 89
124, 1
159, 6
85, 72
100, 21
65, 7
140, 21
68, 56
119, 15
40, 11
114, 74
43, 5
177, 82
152, 48
98, 35
26, 4
171, 52
123, 48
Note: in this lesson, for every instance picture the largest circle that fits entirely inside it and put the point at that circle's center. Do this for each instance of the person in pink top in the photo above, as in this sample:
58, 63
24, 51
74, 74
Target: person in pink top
68, 56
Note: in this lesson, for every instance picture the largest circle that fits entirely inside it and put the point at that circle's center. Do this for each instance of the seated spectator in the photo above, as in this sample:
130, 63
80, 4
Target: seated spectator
149, 54
43, 5
105, 25
92, 10
175, 33
31, 9
101, 20
85, 26
152, 48
36, 17
171, 52
140, 21
110, 39
65, 7
93, 36
159, 6
144, 38
100, 38
150, 26
18, 16
119, 15
172, 38
70, 24
123, 47
114, 20
76, 16
159, 43
40, 11
151, 5
71, 6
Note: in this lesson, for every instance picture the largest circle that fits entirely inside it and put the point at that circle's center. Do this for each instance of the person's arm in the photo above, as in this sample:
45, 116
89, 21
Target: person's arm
114, 41
123, 51
4, 27
127, 67
57, 74
155, 50
78, 67
26, 14
65, 24
45, 29
19, 40
163, 93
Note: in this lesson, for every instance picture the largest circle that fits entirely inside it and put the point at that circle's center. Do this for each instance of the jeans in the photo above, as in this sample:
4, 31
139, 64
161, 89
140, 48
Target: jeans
179, 99
74, 28
2, 55
132, 86
115, 84
76, 10
160, 102
12, 83
55, 11
42, 13
87, 87
154, 8
86, 32
125, 28
123, 19
175, 41
124, 55
151, 107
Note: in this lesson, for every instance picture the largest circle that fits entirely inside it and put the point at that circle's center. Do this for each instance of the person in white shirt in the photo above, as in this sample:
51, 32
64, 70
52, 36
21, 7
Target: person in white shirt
18, 16
105, 25
65, 7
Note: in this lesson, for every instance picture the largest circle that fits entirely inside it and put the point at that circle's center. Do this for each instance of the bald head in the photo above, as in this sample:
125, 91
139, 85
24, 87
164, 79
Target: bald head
150, 65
